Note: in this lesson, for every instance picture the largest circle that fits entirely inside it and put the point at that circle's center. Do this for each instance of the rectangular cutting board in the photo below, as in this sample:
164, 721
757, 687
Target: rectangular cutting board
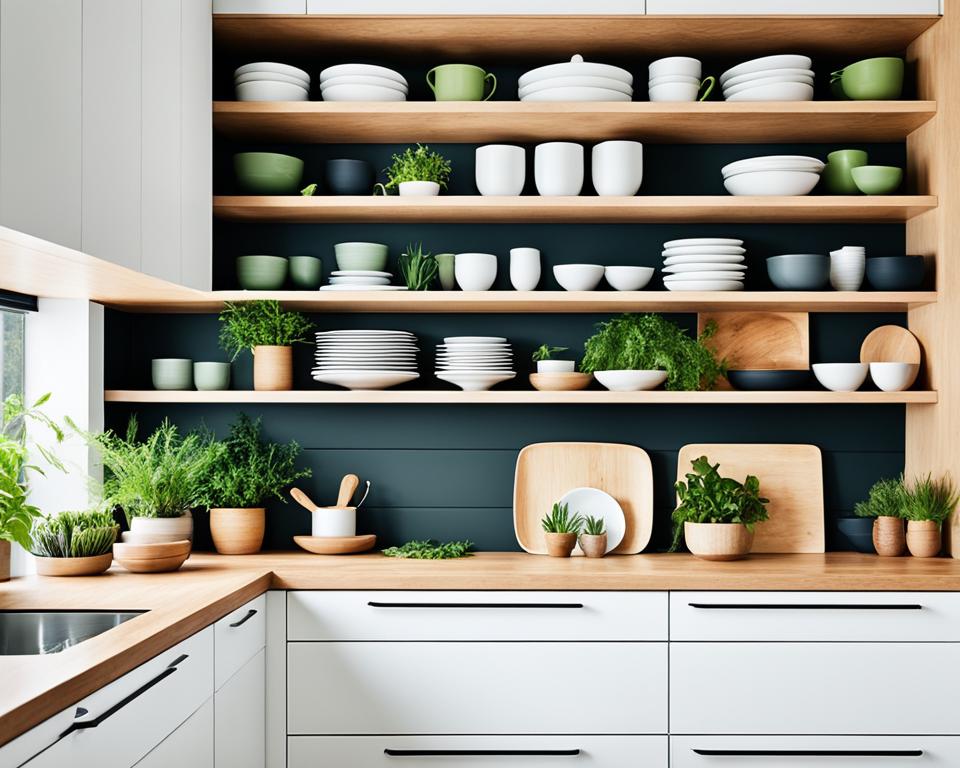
546, 471
791, 476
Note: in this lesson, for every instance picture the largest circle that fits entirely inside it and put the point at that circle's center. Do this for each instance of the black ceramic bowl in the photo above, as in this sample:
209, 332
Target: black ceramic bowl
768, 380
895, 273
856, 533
349, 177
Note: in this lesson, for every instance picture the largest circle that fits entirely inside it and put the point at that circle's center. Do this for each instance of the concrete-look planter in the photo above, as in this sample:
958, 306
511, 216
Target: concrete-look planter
156, 530
272, 368
888, 537
560, 544
718, 541
237, 531
923, 538
593, 546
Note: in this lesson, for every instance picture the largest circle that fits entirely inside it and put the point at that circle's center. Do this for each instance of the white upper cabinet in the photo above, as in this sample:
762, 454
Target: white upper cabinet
795, 7
259, 6
470, 7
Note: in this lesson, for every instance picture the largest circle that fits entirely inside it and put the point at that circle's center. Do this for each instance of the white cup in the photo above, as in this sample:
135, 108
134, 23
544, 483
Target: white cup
674, 92
334, 521
558, 168
524, 268
676, 65
475, 271
617, 168
847, 266
501, 169
672, 79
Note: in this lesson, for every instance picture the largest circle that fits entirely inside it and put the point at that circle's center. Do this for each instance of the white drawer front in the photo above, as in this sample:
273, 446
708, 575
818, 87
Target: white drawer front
238, 637
806, 616
819, 688
476, 688
477, 615
814, 752
448, 751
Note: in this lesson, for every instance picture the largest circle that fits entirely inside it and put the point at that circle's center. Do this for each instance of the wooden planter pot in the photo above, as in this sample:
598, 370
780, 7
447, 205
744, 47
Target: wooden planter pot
560, 544
272, 368
4, 560
888, 537
74, 566
237, 531
593, 546
718, 541
923, 538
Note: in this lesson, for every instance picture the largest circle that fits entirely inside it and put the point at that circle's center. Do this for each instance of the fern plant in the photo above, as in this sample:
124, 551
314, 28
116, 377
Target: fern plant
74, 534
594, 526
887, 498
249, 324
560, 521
418, 164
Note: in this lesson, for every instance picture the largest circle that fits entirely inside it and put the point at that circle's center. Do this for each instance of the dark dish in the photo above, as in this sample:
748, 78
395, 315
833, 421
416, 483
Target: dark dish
856, 533
348, 177
768, 380
895, 273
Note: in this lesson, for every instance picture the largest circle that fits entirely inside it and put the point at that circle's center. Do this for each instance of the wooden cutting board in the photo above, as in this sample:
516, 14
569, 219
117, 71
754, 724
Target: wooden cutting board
791, 476
546, 471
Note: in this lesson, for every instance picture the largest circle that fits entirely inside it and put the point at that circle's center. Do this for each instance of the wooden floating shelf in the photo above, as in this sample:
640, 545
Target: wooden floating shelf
721, 122
534, 210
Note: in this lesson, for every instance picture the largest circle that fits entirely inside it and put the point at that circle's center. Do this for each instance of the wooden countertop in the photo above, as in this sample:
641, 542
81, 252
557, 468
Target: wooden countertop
210, 586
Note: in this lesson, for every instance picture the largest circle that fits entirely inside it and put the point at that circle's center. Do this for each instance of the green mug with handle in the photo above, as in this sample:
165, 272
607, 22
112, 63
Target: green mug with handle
712, 82
460, 82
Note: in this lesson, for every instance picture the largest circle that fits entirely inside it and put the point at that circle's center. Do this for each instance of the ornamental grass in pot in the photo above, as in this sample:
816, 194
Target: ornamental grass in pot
247, 472
928, 503
74, 543
885, 505
561, 530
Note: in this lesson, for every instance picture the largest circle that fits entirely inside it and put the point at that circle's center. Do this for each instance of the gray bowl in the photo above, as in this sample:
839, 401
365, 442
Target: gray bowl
799, 271
856, 533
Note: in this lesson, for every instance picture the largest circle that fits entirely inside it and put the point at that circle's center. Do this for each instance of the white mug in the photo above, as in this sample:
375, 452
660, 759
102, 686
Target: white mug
558, 168
500, 169
475, 271
524, 268
617, 168
676, 65
334, 521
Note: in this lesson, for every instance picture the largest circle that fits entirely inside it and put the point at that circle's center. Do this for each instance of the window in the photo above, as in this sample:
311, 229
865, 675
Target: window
11, 353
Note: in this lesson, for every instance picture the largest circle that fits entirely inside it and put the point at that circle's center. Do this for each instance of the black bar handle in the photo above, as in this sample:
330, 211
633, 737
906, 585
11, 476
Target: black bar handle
379, 604
808, 606
481, 752
809, 752
250, 614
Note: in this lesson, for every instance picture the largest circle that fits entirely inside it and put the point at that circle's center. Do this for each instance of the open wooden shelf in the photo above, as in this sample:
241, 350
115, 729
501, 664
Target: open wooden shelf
533, 209
520, 397
469, 122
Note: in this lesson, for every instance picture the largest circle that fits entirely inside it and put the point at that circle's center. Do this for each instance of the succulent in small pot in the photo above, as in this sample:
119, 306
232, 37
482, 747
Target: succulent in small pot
74, 543
543, 357
593, 540
561, 530
928, 504
885, 504
417, 173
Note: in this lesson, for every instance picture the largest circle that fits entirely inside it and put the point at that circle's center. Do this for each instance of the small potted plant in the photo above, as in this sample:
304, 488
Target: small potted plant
417, 173
716, 515
74, 543
269, 332
543, 357
418, 269
248, 471
928, 503
561, 530
593, 540
885, 507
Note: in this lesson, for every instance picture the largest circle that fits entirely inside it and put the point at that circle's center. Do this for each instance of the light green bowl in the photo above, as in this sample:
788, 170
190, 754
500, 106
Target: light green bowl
877, 179
172, 373
873, 79
211, 376
261, 273
306, 272
268, 173
366, 256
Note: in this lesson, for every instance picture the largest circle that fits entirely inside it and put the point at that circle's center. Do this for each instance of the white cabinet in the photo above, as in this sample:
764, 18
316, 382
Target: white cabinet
240, 717
468, 7
238, 637
794, 7
190, 746
259, 6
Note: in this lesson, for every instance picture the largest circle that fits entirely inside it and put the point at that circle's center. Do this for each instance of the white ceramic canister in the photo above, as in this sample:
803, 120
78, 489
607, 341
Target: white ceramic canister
558, 168
524, 268
617, 168
334, 521
501, 169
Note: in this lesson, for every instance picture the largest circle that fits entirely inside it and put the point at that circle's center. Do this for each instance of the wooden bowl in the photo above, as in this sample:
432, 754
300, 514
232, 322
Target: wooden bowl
74, 566
336, 545
131, 551
153, 564
560, 382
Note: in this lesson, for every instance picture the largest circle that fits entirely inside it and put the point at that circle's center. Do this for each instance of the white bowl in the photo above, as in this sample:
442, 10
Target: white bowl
894, 377
841, 377
628, 278
277, 77
696, 250
382, 82
576, 67
578, 277
361, 70
270, 90
772, 183
691, 242
704, 285
556, 366
733, 90
676, 65
475, 271
364, 379
273, 66
577, 94
782, 71
674, 92
576, 82
630, 381
361, 93
773, 163
475, 381
776, 92
781, 61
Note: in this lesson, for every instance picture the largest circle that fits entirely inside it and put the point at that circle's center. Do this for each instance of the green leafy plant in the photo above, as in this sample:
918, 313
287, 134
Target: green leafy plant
418, 164
418, 269
429, 549
929, 499
546, 352
707, 497
651, 342
248, 470
887, 498
560, 521
594, 526
249, 324
74, 534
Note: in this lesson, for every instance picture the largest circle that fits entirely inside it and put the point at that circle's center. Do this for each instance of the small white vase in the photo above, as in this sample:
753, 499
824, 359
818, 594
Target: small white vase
419, 189
155, 530
524, 268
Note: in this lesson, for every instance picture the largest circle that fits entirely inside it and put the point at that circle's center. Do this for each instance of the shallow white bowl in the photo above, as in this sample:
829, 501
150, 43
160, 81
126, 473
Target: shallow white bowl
578, 277
779, 61
270, 90
767, 183
704, 258
675, 65
475, 381
361, 70
585, 81
783, 71
773, 163
630, 381
364, 379
704, 285
733, 90
841, 377
277, 77
382, 82
894, 377
687, 242
628, 278
273, 66
696, 250
361, 93
776, 92
576, 94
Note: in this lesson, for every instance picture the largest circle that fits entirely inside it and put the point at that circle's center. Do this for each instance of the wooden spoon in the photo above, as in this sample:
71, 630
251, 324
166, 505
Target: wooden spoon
302, 499
348, 487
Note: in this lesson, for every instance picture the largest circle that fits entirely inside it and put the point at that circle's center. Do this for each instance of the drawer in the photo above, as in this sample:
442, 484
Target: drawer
477, 615
814, 752
238, 637
822, 616
478, 751
476, 688
821, 688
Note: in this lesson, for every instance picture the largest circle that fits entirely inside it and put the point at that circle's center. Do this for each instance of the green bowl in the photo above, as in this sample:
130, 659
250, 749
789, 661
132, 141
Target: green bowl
877, 179
306, 272
211, 376
172, 373
836, 178
261, 273
874, 79
366, 256
268, 173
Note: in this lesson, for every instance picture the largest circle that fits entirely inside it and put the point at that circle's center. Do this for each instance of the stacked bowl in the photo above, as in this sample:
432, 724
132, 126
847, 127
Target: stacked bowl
270, 81
362, 82
771, 78
704, 264
475, 363
365, 359
576, 80
676, 78
772, 175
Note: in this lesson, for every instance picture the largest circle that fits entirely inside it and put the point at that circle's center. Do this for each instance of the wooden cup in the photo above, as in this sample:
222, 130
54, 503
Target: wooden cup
272, 368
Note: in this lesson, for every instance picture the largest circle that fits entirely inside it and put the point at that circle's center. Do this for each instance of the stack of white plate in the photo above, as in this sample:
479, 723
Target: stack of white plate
361, 280
576, 80
270, 81
771, 78
704, 264
366, 359
362, 82
772, 175
475, 363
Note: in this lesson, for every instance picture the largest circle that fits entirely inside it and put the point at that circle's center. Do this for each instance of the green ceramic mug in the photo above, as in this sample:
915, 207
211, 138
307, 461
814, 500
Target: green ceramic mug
836, 178
445, 264
460, 82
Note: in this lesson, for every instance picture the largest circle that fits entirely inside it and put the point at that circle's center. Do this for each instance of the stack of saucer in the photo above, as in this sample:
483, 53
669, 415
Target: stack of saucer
362, 82
366, 359
704, 264
475, 363
847, 266
361, 280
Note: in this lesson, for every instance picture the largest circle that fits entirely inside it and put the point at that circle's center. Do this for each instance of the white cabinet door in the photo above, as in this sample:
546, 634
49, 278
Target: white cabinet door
474, 7
190, 746
794, 7
240, 718
237, 637
259, 6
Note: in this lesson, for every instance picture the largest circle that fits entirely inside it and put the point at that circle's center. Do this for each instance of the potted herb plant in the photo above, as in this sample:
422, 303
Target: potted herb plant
417, 173
928, 503
247, 472
74, 543
885, 506
716, 515
543, 357
561, 530
418, 269
638, 352
269, 332
593, 540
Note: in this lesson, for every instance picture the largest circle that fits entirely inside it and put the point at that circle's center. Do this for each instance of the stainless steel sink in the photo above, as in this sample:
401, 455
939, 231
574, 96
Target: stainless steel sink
37, 632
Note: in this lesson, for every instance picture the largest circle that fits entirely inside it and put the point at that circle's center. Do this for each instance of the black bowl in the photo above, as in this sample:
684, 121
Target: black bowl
349, 177
895, 273
856, 533
768, 380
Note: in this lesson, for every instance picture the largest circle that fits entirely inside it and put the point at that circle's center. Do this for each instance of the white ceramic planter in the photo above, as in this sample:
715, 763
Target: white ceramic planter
524, 268
556, 366
558, 168
475, 271
155, 530
419, 188
617, 168
501, 169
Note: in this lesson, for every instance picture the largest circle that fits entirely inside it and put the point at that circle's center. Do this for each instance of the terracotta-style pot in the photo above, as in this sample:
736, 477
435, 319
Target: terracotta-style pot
718, 541
923, 538
272, 368
74, 566
888, 537
237, 531
593, 546
560, 544
156, 530
4, 560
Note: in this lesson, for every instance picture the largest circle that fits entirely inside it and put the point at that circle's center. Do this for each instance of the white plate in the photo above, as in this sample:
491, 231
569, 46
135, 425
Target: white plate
363, 288
704, 275
706, 285
694, 241
585, 81
474, 340
362, 70
782, 61
361, 93
352, 280
367, 349
383, 82
270, 90
474, 381
475, 347
772, 162
597, 503
703, 267
359, 273
404, 356
364, 332
577, 94
273, 66
767, 183
734, 81
733, 90
778, 92
704, 258
576, 67
277, 77
365, 379
686, 250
